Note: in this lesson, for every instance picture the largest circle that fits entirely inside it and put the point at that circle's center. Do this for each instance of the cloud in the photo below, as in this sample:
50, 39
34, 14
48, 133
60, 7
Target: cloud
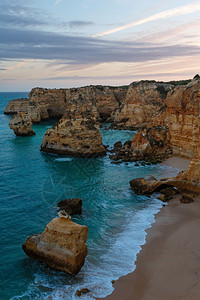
32, 44
183, 10
77, 24
23, 16
57, 2
18, 20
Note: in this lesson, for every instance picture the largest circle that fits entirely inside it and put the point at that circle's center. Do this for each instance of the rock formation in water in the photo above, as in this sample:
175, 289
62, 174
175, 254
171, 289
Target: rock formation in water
62, 245
143, 101
44, 103
151, 144
77, 133
71, 206
21, 124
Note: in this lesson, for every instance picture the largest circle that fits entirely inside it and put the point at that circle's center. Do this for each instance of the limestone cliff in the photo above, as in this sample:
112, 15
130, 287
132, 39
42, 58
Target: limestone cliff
182, 116
77, 133
21, 124
44, 103
62, 245
143, 101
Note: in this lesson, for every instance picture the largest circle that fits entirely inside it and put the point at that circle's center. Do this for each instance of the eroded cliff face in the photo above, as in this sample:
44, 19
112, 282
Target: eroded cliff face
62, 245
49, 103
143, 101
77, 133
180, 115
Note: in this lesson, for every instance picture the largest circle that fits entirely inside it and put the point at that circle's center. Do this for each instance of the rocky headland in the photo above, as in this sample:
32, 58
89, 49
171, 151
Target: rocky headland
167, 116
62, 245
44, 104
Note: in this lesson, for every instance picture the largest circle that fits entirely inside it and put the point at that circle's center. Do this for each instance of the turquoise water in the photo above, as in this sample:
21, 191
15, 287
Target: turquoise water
31, 184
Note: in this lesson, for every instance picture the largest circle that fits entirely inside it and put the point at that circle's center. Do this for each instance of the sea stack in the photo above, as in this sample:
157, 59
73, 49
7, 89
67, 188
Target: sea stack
62, 245
78, 132
21, 124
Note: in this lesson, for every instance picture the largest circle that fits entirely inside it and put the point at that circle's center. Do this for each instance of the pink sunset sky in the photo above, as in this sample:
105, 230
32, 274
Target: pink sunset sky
68, 44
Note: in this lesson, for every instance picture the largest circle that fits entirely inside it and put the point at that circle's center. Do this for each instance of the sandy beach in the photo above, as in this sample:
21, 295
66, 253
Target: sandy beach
168, 265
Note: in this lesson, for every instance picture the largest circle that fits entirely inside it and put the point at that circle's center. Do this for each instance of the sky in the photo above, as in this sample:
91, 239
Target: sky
62, 43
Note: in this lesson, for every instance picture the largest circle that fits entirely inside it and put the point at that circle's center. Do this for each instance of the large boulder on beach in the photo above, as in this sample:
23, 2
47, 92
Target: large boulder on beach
21, 124
145, 185
62, 245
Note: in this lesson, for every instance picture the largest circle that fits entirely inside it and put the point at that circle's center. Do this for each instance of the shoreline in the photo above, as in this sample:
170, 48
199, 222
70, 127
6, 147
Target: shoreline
168, 264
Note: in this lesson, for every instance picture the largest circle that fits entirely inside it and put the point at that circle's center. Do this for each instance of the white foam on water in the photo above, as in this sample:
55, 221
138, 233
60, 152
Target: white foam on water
118, 261
63, 159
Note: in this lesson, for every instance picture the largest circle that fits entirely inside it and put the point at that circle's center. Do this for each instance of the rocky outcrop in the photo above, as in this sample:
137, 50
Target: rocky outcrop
187, 182
151, 145
71, 206
44, 103
77, 133
182, 116
62, 245
175, 130
143, 101
21, 124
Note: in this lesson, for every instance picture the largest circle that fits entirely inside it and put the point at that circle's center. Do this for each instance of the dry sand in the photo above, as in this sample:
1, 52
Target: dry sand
168, 266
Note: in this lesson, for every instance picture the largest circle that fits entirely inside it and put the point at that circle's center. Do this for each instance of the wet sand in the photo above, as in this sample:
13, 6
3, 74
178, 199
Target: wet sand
168, 266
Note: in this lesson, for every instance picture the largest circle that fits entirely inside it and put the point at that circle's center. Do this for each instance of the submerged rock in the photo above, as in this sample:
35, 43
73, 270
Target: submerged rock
62, 245
82, 292
71, 206
21, 124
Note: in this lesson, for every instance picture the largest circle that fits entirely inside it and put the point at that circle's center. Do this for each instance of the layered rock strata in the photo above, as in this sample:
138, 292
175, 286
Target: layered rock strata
175, 130
143, 101
21, 124
44, 103
182, 116
77, 133
62, 245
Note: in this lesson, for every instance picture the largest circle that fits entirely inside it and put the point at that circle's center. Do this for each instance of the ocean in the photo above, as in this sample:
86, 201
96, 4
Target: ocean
31, 185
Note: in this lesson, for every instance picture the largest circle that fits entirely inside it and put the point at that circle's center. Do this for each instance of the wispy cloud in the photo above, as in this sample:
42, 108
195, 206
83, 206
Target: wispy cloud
57, 2
183, 10
78, 24
32, 44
